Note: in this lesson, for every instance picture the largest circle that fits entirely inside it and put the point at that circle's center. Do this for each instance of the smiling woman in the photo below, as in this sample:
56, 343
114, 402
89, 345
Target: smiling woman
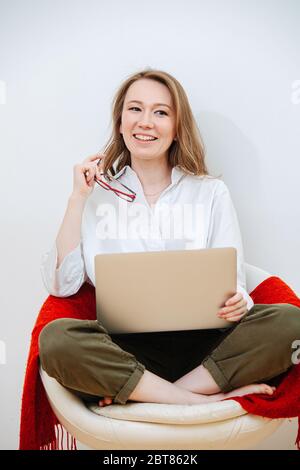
169, 170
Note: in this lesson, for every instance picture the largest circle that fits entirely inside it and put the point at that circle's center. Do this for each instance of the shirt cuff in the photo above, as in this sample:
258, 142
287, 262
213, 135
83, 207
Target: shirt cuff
68, 277
246, 296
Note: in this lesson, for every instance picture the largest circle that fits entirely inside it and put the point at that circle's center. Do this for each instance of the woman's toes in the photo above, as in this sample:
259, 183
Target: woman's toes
267, 389
105, 401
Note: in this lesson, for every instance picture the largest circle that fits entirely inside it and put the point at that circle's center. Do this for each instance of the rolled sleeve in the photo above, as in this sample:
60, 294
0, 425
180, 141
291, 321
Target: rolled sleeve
224, 231
246, 296
69, 277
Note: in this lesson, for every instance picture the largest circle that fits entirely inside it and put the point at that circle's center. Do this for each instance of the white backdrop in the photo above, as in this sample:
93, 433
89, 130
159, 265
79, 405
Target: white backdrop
61, 62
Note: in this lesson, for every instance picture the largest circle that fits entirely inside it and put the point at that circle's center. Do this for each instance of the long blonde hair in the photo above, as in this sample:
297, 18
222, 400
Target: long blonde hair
187, 151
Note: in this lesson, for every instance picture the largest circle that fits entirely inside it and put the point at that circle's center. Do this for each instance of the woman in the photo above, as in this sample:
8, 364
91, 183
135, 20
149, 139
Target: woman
159, 158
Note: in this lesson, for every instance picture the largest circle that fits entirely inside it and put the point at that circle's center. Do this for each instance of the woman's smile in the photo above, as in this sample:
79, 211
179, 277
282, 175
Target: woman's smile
144, 141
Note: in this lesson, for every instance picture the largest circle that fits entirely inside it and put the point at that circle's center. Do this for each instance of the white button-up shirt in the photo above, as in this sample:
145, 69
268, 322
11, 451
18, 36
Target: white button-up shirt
193, 212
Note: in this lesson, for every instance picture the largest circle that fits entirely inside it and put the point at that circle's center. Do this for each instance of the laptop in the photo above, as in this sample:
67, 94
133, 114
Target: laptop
155, 291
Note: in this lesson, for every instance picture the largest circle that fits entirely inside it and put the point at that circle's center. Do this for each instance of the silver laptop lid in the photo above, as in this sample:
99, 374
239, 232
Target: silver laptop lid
164, 290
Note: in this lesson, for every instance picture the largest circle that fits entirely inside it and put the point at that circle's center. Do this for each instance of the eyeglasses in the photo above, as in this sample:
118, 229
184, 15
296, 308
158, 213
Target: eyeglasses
117, 188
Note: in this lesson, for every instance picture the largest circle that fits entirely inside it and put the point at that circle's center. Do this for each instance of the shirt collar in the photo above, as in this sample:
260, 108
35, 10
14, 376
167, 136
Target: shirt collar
176, 174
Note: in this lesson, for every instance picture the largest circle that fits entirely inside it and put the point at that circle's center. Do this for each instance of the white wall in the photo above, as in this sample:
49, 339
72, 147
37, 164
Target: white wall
61, 62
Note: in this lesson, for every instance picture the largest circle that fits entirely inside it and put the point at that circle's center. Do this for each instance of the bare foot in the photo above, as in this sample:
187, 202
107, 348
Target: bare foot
238, 392
253, 388
105, 401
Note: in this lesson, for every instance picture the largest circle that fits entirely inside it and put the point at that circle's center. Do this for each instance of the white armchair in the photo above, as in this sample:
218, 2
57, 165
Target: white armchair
220, 425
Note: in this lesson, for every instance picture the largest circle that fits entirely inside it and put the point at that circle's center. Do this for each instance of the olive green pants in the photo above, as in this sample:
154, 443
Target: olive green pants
83, 357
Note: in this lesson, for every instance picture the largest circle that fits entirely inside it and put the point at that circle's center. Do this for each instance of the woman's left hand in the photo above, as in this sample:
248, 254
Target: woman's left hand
235, 308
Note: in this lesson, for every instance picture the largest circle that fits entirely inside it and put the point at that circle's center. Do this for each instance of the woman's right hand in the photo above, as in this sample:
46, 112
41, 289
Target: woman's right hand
83, 175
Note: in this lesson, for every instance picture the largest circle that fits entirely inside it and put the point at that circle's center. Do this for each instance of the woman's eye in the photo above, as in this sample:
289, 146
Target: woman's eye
159, 111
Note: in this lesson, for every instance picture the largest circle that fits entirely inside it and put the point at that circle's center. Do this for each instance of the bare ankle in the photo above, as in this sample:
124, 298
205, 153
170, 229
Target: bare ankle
153, 389
199, 380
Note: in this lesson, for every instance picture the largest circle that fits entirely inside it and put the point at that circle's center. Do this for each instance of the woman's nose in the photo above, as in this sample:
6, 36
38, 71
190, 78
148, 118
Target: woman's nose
145, 120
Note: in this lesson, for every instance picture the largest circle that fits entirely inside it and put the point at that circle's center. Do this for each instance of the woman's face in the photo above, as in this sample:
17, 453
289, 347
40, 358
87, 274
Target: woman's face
148, 118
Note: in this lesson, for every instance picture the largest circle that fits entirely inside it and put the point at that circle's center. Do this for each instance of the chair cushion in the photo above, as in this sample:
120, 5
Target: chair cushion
172, 414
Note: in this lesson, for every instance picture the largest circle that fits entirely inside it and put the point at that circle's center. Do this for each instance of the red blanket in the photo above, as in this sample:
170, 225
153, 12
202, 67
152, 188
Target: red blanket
40, 428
